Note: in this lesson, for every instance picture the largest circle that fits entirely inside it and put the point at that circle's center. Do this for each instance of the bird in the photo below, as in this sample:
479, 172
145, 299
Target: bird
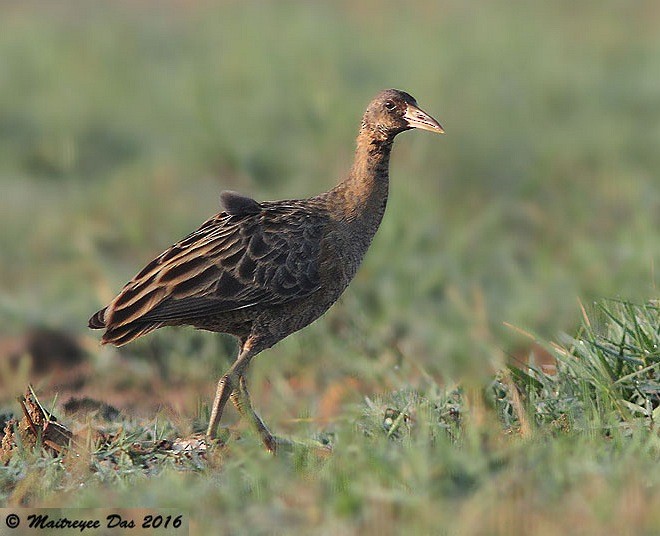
261, 271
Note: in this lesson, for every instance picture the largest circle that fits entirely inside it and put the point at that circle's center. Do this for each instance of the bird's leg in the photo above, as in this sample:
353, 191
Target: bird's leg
228, 384
241, 399
225, 387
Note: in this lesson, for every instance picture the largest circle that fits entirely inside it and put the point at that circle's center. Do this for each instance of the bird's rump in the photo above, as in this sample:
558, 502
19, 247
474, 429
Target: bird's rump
231, 262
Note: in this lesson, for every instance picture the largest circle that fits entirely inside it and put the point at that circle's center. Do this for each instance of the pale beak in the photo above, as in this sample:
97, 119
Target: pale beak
417, 118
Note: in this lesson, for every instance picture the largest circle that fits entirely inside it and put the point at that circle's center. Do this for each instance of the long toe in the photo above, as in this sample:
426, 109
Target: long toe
280, 445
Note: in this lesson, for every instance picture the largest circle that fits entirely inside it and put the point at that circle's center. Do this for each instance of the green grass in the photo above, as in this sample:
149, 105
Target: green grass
119, 126
579, 446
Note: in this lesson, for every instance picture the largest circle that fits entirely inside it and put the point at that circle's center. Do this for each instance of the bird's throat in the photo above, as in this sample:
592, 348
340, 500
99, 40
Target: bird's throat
365, 189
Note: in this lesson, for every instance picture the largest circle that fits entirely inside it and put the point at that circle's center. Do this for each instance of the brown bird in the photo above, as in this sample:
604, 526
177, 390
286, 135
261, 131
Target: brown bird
263, 270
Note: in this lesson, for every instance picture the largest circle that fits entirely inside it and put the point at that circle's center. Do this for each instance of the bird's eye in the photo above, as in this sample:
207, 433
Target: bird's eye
390, 105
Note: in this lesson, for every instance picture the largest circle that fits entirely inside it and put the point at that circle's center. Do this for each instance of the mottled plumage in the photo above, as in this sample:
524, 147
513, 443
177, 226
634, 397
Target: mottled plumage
261, 271
233, 261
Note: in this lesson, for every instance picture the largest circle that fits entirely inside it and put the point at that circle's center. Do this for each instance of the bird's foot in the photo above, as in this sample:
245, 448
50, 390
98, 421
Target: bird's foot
280, 445
221, 437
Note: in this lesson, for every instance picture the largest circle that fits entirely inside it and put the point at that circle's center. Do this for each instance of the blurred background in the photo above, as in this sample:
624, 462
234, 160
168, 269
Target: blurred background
121, 123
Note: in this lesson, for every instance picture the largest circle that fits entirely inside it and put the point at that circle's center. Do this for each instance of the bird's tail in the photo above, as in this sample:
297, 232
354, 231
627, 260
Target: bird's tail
98, 319
120, 335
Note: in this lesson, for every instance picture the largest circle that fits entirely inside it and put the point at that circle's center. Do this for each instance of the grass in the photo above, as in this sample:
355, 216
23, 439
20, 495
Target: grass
120, 125
530, 453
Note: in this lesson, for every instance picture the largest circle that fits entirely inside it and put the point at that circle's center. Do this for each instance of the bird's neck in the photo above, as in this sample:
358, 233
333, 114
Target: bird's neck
363, 194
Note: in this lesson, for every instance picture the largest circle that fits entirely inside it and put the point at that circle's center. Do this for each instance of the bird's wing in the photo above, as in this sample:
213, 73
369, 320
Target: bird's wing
232, 261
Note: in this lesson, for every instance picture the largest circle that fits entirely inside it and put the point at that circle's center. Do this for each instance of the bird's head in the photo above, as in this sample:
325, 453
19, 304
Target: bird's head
393, 111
